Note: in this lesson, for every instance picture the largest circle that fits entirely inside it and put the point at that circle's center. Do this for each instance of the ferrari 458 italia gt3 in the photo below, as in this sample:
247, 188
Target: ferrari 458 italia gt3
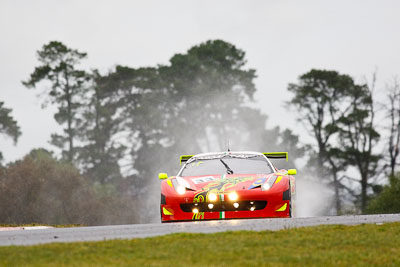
227, 185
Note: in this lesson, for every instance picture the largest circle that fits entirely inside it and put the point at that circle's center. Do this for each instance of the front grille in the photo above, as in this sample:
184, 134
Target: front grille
224, 206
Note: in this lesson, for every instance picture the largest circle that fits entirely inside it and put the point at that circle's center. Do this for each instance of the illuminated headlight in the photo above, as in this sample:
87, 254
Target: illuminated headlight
270, 182
212, 197
266, 186
236, 205
210, 206
233, 196
195, 210
252, 208
180, 189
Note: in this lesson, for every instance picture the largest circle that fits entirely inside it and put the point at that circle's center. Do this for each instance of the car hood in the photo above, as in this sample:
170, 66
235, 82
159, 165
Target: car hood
224, 182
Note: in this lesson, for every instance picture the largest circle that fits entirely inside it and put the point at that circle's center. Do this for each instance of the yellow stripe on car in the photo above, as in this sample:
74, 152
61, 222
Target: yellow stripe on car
167, 212
169, 183
283, 208
278, 179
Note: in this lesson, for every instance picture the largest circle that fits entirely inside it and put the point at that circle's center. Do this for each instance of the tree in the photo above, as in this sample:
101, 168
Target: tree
318, 98
100, 152
340, 114
41, 189
211, 85
290, 142
388, 201
8, 125
194, 104
358, 136
393, 111
59, 69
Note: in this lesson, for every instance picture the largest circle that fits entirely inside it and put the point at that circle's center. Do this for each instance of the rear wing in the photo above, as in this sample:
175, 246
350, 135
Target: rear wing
185, 158
270, 155
277, 155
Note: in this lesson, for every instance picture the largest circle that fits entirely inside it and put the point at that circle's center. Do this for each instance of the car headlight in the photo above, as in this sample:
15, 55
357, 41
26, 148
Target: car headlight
270, 182
212, 197
180, 189
266, 186
233, 196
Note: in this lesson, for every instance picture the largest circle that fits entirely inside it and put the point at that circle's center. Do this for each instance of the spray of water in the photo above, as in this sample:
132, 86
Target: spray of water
313, 197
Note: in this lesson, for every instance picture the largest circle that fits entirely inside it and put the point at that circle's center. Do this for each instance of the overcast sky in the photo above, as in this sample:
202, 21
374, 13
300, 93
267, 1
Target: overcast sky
282, 39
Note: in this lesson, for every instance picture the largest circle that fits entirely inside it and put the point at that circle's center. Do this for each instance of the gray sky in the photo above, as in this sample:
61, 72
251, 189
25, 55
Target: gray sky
282, 39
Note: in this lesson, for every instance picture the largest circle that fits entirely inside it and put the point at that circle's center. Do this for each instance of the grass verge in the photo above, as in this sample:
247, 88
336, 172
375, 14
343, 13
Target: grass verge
322, 245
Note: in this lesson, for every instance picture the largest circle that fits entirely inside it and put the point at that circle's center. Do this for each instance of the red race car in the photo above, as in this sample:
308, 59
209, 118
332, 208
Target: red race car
227, 185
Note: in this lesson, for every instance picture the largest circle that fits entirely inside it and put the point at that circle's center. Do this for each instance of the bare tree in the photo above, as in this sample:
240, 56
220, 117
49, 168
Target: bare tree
393, 93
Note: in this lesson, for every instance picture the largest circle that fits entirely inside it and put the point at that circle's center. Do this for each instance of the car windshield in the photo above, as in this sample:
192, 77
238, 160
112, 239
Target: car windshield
227, 164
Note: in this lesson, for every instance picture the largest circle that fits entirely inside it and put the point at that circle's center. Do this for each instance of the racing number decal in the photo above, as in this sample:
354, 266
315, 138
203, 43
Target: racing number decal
198, 216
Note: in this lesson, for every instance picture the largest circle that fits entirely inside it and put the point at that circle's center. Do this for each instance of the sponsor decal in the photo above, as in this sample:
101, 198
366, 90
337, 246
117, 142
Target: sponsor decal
244, 156
198, 198
194, 164
203, 180
257, 183
205, 158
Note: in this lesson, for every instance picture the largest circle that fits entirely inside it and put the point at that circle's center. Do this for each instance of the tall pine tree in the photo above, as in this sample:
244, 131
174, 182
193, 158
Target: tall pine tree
59, 69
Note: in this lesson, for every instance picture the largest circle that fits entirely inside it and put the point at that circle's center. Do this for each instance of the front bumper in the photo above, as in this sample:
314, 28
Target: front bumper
225, 210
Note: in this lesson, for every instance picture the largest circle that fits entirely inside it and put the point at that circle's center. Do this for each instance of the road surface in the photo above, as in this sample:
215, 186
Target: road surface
99, 233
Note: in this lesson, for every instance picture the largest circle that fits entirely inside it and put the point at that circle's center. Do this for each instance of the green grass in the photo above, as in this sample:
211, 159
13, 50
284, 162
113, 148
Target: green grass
321, 246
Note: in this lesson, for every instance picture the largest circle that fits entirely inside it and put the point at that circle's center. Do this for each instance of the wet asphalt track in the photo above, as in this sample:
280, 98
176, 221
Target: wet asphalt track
98, 233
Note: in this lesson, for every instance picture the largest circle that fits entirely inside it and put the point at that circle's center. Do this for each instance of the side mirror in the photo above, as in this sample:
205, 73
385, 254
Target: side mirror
162, 176
292, 172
